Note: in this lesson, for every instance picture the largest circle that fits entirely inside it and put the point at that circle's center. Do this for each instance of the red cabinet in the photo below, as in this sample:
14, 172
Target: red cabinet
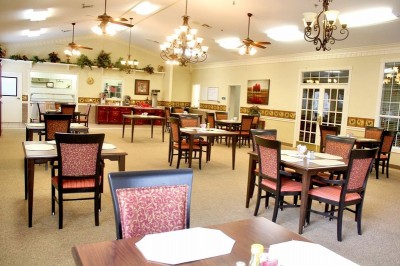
111, 114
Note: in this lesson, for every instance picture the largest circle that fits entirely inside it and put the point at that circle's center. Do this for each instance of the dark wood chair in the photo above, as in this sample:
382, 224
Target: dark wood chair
177, 109
167, 114
219, 115
78, 170
385, 149
324, 131
263, 133
272, 179
139, 196
56, 123
180, 144
69, 109
84, 118
372, 133
244, 130
256, 121
346, 192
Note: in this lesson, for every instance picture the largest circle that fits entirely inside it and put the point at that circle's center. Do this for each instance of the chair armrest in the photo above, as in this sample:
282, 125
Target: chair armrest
329, 181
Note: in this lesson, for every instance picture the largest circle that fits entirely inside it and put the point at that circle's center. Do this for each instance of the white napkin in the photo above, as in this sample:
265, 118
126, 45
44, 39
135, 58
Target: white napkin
328, 162
35, 124
51, 142
327, 156
108, 146
39, 147
290, 159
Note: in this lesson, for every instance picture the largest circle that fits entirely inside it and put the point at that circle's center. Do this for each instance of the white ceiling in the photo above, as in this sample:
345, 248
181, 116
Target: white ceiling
226, 18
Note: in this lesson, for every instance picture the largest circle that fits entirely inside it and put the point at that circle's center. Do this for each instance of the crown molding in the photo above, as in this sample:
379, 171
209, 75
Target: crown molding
336, 54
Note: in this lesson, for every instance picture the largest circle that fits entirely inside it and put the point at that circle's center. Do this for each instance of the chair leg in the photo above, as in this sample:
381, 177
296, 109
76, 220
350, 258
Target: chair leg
53, 202
358, 217
179, 159
387, 169
377, 169
276, 207
339, 223
97, 203
60, 209
308, 211
258, 201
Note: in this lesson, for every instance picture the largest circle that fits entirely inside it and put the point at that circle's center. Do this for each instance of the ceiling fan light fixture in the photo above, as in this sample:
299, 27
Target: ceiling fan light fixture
230, 43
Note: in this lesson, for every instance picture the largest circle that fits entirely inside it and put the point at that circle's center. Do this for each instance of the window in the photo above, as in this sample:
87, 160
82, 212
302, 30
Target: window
389, 115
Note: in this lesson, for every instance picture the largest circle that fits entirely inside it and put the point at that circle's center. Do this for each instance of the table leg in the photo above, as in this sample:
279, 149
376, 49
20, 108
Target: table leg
234, 151
163, 128
123, 127
31, 177
191, 140
133, 128
152, 124
121, 163
306, 181
251, 178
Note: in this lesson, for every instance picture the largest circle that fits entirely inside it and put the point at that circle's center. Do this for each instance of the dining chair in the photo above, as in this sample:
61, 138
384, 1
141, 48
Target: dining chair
385, 149
346, 192
177, 109
56, 123
78, 170
256, 121
272, 179
263, 133
194, 121
210, 121
244, 130
372, 133
152, 201
219, 115
167, 114
181, 145
324, 131
69, 109
84, 118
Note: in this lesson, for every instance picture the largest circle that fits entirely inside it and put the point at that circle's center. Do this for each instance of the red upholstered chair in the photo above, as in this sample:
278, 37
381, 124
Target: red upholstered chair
373, 133
273, 180
55, 123
324, 131
194, 121
346, 192
263, 133
244, 129
69, 109
139, 196
167, 113
385, 149
78, 171
178, 143
177, 109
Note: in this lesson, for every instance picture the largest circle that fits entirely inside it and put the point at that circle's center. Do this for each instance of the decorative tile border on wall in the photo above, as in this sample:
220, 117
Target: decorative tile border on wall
360, 122
24, 98
88, 100
174, 104
272, 113
214, 107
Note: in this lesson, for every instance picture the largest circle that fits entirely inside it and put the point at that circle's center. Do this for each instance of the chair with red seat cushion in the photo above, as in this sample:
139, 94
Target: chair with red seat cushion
271, 178
385, 149
244, 129
79, 170
325, 130
349, 191
178, 143
139, 196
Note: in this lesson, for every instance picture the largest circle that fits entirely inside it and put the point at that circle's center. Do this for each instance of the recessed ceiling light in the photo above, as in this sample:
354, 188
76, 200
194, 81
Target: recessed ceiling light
367, 17
285, 34
145, 8
37, 14
230, 43
33, 33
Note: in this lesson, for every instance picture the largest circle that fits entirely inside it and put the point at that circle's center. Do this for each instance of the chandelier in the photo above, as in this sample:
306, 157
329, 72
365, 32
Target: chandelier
324, 25
183, 47
129, 65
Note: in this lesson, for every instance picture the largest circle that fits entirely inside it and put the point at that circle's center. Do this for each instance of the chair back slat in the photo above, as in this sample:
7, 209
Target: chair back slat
340, 146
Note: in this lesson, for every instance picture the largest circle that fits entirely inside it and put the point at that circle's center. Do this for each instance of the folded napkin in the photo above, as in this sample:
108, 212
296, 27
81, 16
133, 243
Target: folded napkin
328, 162
51, 142
289, 152
39, 147
327, 156
108, 146
290, 159
35, 124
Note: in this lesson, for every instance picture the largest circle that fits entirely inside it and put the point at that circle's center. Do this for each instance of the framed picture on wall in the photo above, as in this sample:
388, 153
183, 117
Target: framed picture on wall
258, 91
142, 87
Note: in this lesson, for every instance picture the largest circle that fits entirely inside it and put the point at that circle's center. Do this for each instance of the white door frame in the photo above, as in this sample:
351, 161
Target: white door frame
12, 105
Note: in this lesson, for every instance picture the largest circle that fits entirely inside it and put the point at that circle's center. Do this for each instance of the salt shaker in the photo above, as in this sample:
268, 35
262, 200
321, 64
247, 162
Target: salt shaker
256, 250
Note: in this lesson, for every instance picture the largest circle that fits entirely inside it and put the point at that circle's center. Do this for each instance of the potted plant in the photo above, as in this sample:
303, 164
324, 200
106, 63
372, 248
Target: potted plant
104, 60
254, 110
3, 52
36, 59
83, 61
149, 69
53, 57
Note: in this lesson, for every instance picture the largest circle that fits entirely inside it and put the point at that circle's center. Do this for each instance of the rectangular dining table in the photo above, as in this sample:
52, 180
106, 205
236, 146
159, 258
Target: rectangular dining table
152, 118
193, 133
32, 157
306, 168
244, 232
31, 128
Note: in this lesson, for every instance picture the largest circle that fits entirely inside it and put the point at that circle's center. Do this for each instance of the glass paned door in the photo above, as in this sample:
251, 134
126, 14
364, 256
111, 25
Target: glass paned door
320, 104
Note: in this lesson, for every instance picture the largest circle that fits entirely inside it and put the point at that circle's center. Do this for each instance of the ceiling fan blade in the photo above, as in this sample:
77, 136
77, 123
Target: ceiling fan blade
83, 47
262, 42
121, 23
258, 45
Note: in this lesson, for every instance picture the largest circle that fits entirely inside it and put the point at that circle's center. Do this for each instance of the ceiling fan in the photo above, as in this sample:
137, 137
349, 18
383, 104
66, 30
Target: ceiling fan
105, 19
247, 43
73, 47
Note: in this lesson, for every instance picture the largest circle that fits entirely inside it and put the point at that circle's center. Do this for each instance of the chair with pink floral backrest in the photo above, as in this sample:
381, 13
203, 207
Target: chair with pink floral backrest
385, 149
346, 192
79, 170
56, 123
272, 179
324, 131
139, 196
263, 133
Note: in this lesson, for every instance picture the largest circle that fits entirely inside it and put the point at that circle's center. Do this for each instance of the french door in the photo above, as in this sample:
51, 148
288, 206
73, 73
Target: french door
324, 104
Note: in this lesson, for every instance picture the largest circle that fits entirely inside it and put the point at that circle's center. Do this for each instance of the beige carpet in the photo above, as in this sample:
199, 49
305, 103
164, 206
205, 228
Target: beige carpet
218, 197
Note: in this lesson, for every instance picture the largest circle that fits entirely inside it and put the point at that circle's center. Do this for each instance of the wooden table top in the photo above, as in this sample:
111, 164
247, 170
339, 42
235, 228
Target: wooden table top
245, 233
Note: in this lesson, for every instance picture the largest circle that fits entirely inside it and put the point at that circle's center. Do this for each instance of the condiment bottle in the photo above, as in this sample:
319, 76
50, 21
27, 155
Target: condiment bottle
256, 250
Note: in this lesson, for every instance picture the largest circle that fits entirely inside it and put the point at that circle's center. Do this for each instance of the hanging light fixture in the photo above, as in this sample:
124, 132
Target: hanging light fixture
323, 26
183, 47
129, 65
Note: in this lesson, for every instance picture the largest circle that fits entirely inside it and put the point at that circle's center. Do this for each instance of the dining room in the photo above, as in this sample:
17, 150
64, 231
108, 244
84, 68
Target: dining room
218, 197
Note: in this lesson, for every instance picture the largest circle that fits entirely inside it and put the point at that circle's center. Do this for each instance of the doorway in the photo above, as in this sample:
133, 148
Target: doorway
11, 85
324, 101
234, 101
